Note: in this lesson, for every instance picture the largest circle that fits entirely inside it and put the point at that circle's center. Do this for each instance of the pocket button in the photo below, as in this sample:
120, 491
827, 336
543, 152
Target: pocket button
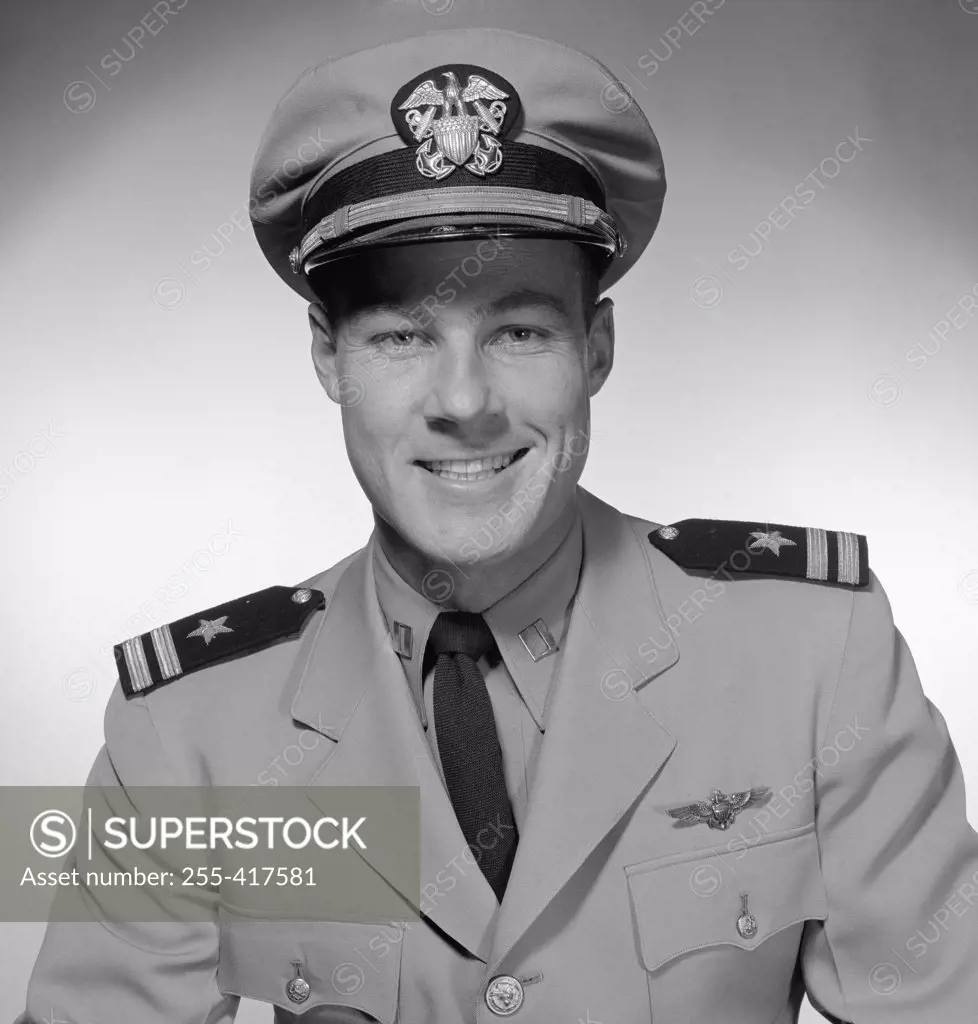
298, 988
746, 923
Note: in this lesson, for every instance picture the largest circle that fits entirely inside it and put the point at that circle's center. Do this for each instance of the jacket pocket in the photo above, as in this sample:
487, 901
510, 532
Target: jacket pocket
353, 969
703, 954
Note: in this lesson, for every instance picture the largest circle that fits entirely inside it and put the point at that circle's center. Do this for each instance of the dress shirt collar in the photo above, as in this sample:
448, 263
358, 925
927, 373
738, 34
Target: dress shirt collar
528, 623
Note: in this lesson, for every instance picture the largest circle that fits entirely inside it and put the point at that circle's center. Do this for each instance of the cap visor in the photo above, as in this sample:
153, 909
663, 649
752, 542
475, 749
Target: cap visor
448, 226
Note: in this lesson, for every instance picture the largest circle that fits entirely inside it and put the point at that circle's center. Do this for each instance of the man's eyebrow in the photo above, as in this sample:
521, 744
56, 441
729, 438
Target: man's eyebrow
380, 308
524, 298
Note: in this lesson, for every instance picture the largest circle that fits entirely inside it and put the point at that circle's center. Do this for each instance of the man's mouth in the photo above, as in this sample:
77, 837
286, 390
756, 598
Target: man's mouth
471, 470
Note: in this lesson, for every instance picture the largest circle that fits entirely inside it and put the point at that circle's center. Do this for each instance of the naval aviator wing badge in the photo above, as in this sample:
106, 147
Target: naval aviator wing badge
720, 811
455, 114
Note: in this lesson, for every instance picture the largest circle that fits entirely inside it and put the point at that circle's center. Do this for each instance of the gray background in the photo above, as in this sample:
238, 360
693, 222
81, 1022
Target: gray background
165, 444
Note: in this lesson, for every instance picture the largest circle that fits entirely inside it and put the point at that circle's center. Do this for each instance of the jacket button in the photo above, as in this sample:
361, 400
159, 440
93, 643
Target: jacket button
504, 995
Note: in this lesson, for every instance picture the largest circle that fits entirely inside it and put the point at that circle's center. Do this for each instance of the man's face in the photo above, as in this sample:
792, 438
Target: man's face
464, 370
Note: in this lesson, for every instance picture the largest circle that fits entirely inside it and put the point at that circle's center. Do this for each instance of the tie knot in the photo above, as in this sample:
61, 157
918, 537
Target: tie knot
461, 633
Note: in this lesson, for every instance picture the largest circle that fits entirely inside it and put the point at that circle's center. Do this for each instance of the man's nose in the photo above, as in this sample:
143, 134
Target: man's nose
463, 388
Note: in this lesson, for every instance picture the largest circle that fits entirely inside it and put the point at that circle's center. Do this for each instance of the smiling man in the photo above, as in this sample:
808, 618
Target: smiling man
470, 423
673, 773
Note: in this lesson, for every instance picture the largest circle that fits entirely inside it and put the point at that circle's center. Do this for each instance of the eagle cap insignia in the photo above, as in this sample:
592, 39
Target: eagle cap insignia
721, 810
455, 115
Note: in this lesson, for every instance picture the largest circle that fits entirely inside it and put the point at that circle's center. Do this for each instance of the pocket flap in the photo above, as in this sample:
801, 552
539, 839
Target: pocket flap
692, 900
257, 961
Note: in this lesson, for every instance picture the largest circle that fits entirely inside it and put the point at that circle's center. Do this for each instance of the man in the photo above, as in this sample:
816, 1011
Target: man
679, 773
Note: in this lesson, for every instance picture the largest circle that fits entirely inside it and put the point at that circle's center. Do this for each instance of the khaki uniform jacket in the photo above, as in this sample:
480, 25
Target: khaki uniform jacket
861, 872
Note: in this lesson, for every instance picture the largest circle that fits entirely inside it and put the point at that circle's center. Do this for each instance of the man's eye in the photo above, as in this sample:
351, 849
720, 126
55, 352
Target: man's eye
521, 335
396, 339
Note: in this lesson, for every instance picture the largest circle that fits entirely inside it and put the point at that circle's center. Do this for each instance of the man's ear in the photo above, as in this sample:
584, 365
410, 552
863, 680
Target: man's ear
324, 350
600, 345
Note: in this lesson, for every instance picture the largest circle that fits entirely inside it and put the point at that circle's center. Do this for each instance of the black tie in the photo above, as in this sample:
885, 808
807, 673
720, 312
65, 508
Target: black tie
465, 731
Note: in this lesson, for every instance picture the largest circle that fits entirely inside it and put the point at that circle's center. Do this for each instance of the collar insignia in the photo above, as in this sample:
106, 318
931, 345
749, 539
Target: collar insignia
720, 811
455, 114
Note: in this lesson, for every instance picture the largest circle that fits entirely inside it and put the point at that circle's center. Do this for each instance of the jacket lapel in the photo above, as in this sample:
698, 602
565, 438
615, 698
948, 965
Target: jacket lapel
351, 688
602, 746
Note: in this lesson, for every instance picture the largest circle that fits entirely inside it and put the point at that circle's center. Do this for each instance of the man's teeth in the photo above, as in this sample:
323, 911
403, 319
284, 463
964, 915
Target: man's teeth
470, 469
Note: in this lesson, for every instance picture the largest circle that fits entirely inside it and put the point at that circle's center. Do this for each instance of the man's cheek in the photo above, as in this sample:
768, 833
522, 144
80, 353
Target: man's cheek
547, 404
368, 443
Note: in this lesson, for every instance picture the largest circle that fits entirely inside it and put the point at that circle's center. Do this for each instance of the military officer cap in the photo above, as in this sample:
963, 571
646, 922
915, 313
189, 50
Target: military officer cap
470, 132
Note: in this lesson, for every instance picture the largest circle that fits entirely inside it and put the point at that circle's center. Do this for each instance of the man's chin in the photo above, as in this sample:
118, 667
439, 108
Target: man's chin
478, 545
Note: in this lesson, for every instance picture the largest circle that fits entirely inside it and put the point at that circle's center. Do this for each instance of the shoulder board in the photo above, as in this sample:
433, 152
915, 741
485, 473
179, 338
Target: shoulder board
238, 627
767, 549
